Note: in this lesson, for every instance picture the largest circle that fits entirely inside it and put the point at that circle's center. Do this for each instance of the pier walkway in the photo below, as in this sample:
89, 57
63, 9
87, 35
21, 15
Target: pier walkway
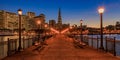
61, 47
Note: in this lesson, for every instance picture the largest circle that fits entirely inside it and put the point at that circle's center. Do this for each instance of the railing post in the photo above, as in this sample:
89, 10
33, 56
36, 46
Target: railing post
8, 53
28, 42
106, 44
83, 39
33, 40
97, 42
15, 44
92, 41
88, 40
12, 44
114, 46
23, 42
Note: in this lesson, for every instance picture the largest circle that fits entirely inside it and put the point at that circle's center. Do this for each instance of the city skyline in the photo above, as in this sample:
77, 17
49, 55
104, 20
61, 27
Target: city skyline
71, 12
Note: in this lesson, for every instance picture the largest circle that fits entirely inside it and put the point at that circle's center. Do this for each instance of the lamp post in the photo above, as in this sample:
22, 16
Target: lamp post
101, 11
20, 14
81, 21
38, 23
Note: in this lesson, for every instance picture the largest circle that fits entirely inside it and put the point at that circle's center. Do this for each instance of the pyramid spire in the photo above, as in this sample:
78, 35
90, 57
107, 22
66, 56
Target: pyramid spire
59, 17
59, 20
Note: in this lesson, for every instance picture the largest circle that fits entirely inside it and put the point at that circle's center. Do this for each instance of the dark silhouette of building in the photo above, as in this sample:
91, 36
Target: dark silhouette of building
40, 18
52, 23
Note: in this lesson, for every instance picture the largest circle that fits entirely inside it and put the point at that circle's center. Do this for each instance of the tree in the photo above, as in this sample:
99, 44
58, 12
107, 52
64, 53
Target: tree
118, 25
110, 27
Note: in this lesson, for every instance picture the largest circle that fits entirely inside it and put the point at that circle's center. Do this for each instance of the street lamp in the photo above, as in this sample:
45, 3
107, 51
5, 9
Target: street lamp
101, 11
20, 14
81, 21
45, 25
38, 23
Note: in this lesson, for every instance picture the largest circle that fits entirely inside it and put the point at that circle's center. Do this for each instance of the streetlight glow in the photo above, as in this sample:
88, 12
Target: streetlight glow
45, 25
101, 10
70, 27
19, 11
38, 22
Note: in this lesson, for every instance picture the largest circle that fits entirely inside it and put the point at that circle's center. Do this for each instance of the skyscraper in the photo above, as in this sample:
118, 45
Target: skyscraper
59, 17
59, 20
52, 23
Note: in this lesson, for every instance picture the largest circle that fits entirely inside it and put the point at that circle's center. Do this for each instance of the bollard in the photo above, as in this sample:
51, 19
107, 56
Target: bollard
106, 44
114, 47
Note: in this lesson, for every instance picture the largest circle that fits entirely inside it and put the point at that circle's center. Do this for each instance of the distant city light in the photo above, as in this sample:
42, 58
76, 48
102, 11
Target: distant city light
45, 25
38, 22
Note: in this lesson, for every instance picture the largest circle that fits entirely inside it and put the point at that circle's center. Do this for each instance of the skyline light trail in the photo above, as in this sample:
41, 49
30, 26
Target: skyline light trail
54, 30
65, 30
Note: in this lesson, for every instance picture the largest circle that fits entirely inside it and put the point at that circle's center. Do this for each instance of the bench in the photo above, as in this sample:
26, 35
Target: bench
38, 48
78, 44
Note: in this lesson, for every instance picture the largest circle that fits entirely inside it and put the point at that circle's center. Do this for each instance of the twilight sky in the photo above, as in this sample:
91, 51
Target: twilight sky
72, 10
